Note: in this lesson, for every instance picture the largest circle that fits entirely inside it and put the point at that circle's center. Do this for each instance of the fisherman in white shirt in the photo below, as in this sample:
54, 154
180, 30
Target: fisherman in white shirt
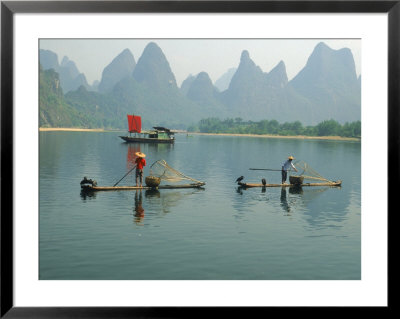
285, 167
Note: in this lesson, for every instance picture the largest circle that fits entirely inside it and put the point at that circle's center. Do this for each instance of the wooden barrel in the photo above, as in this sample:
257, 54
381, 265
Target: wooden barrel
296, 180
152, 181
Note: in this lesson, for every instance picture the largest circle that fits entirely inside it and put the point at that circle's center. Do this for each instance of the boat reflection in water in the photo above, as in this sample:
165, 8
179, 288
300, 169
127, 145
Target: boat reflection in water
131, 156
133, 148
160, 147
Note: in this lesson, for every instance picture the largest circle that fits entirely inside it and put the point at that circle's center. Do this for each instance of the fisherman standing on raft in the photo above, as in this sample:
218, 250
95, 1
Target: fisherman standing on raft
140, 163
285, 167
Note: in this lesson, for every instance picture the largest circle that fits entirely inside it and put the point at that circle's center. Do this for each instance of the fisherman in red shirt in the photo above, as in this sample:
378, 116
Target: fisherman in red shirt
140, 163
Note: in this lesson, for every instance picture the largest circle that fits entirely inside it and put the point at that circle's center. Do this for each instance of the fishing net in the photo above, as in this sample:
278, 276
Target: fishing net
166, 173
308, 172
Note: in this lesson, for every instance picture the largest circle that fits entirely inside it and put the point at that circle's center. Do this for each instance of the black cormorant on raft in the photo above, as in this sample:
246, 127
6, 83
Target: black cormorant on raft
159, 171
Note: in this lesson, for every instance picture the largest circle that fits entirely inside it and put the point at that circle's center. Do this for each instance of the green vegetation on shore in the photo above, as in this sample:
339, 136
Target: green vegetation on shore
273, 127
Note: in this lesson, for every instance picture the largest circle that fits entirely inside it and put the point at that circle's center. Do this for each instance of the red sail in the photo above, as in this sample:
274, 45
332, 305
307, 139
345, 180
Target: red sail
135, 123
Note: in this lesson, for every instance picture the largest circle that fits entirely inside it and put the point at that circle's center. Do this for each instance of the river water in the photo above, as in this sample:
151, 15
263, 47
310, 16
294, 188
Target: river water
219, 232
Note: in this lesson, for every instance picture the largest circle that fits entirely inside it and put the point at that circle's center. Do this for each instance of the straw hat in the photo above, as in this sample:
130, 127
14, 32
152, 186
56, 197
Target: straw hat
139, 154
291, 157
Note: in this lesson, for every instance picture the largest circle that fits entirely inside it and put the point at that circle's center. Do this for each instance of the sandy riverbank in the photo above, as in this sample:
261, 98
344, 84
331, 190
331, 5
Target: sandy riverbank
69, 129
336, 138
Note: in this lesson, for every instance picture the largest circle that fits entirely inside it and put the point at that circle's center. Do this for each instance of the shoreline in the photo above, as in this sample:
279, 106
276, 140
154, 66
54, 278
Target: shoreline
303, 137
72, 129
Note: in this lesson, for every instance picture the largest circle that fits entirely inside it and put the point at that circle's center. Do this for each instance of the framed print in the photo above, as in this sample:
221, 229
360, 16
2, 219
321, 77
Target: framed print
169, 114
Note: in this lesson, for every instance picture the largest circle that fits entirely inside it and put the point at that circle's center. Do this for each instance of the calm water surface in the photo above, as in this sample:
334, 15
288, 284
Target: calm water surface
216, 233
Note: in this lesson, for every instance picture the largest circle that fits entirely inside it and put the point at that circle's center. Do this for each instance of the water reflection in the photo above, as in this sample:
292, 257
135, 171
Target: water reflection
284, 202
139, 210
87, 194
160, 147
319, 207
295, 190
152, 193
325, 208
164, 202
157, 203
239, 190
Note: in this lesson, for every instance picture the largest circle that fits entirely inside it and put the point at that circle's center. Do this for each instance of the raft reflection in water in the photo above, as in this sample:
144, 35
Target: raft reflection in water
160, 203
292, 190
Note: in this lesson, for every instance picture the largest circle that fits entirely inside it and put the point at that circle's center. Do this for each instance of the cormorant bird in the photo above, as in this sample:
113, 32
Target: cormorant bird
88, 181
239, 179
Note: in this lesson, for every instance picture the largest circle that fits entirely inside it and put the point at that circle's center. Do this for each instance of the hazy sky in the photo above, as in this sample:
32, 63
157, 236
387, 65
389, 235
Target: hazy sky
191, 56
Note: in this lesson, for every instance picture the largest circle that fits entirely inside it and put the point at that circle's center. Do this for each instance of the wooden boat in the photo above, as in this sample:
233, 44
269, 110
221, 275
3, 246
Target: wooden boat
332, 184
157, 135
91, 188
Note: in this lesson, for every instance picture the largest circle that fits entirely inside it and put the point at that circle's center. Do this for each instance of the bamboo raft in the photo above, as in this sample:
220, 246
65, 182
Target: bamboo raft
295, 181
127, 188
152, 182
332, 184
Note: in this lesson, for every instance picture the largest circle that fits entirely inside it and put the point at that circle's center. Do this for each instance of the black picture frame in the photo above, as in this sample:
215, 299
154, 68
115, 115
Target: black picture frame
9, 8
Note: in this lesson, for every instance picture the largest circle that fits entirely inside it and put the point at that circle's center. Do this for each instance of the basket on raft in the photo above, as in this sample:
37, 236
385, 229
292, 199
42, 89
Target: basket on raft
152, 181
296, 180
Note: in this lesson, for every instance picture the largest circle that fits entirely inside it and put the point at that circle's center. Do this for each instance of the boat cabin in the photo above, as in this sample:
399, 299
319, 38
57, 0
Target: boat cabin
160, 133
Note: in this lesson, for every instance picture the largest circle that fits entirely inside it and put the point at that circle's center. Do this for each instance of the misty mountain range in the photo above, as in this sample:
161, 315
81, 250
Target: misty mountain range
326, 88
70, 77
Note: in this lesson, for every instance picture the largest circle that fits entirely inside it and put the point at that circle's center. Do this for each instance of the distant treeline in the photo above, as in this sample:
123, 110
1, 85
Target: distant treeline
273, 127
